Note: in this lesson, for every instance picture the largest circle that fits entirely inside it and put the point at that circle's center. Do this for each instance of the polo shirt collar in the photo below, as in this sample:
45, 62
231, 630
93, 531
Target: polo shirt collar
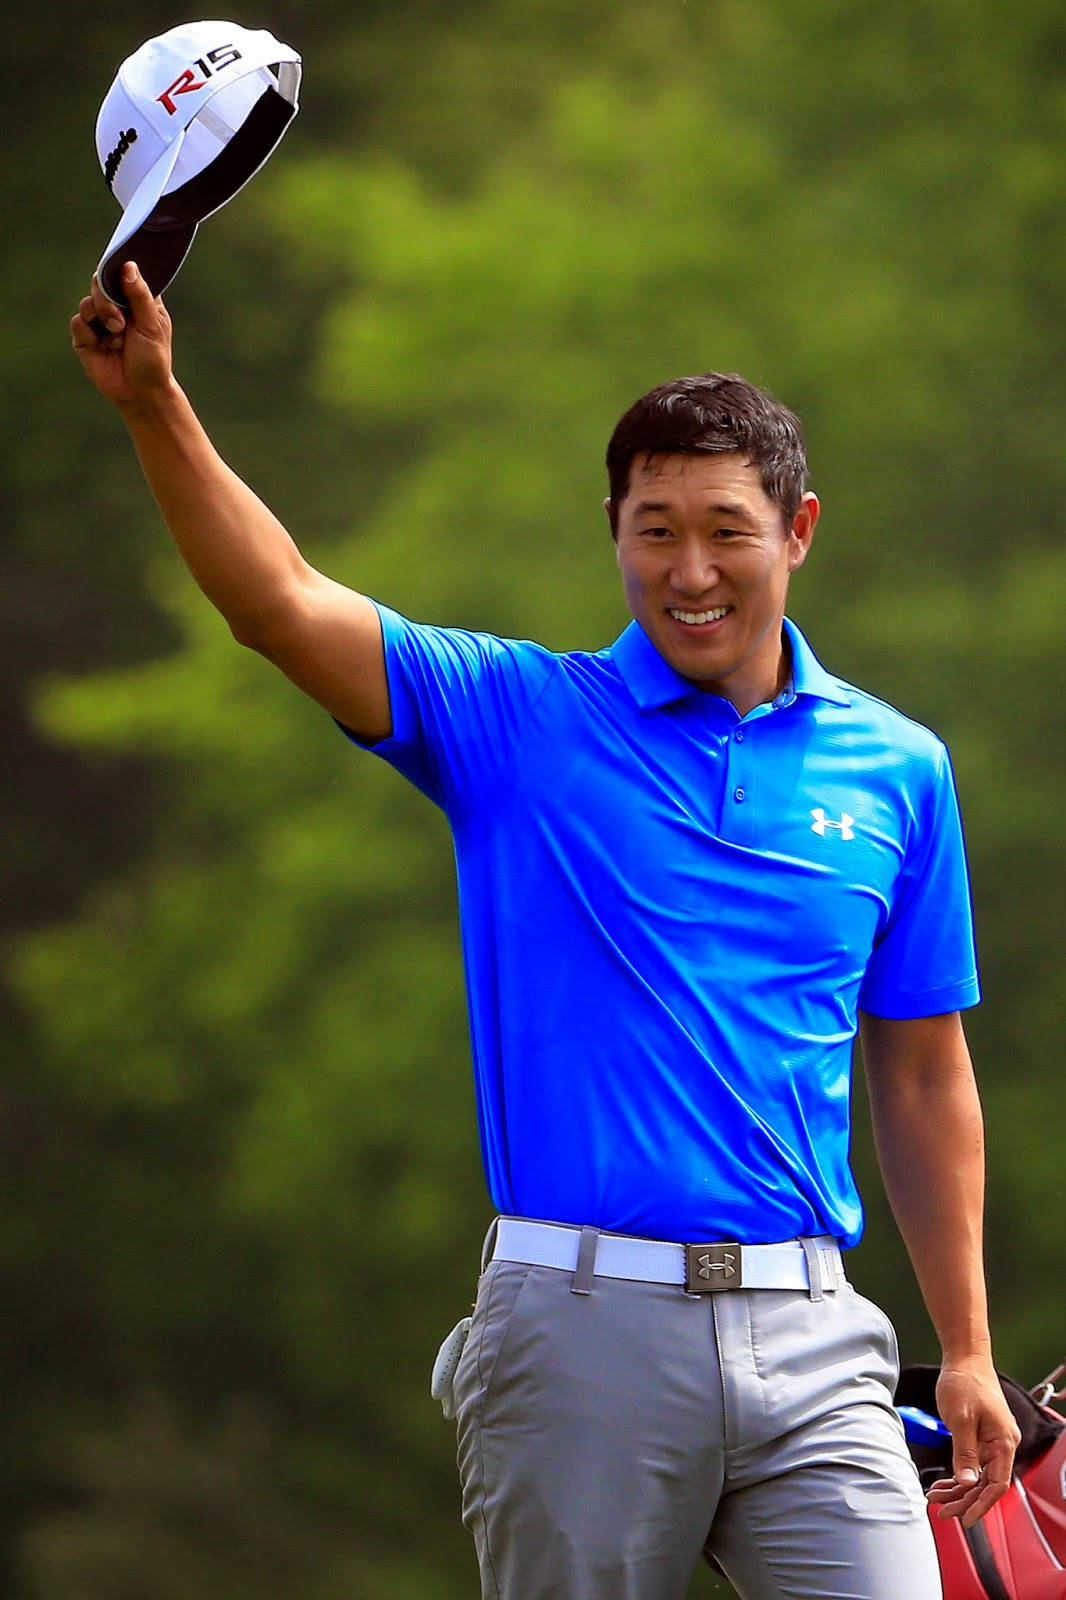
652, 681
808, 675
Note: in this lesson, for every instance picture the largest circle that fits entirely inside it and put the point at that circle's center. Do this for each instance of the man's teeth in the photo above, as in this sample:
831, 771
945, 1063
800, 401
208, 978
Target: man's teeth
692, 617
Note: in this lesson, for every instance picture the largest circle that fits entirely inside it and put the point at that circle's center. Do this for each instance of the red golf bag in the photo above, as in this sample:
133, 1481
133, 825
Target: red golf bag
1018, 1549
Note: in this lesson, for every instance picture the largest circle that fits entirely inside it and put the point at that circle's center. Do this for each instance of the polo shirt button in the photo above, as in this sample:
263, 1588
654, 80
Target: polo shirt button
739, 736
740, 794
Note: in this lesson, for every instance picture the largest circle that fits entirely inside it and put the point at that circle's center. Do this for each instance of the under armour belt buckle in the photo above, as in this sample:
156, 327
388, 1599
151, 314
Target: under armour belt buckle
710, 1268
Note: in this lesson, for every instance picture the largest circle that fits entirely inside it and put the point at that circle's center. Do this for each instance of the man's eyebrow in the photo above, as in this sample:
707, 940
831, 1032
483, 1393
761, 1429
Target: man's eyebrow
729, 508
719, 508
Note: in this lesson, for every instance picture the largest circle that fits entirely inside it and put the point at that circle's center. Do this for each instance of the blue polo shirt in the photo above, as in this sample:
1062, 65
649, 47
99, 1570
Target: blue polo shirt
670, 916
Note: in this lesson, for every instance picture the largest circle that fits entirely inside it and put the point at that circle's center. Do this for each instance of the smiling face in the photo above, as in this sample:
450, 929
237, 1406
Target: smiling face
705, 559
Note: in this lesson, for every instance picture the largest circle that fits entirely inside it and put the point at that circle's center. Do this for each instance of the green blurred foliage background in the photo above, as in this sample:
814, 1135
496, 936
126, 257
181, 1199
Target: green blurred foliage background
244, 1200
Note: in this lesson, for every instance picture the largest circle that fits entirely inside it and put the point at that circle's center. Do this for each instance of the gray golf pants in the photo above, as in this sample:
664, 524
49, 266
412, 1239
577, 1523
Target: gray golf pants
606, 1439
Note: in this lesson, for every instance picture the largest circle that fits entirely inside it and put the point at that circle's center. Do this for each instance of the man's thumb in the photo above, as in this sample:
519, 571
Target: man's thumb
964, 1462
138, 294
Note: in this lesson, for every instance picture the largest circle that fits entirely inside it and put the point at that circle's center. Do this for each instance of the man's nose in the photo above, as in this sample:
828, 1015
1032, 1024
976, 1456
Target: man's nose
695, 569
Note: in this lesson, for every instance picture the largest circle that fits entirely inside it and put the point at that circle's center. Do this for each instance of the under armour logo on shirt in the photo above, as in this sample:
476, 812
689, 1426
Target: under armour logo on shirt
823, 824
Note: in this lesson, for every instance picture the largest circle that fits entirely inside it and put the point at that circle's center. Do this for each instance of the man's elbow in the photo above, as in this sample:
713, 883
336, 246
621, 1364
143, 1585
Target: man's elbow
249, 633
269, 629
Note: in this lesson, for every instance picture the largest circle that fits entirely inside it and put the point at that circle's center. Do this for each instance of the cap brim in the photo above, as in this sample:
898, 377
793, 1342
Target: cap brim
158, 253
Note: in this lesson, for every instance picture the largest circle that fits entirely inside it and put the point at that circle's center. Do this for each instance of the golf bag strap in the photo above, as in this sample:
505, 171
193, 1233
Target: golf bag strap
985, 1562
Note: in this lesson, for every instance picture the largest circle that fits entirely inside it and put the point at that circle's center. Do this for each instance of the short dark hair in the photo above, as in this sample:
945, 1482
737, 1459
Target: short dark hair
710, 414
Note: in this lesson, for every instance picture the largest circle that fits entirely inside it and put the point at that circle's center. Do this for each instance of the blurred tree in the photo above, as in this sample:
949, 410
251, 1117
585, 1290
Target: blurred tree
241, 1129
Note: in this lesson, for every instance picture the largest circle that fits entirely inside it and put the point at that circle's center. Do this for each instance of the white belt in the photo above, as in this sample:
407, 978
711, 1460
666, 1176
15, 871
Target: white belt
701, 1268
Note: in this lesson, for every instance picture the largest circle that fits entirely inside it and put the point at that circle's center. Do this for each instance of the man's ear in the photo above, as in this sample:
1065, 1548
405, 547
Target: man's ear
801, 531
608, 506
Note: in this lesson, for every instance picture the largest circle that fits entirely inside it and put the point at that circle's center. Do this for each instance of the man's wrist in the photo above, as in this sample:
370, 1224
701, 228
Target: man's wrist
152, 405
968, 1354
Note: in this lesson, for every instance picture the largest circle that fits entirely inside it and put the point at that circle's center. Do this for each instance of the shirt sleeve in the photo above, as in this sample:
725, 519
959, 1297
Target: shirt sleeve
459, 702
924, 962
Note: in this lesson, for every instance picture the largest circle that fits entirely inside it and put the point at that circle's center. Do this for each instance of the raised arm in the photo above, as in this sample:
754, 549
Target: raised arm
930, 1144
323, 636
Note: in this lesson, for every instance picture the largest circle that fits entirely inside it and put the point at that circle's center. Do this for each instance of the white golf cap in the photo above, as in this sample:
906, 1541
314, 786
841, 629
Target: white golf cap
190, 117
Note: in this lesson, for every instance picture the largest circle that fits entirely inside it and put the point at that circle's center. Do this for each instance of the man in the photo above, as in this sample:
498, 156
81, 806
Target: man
687, 865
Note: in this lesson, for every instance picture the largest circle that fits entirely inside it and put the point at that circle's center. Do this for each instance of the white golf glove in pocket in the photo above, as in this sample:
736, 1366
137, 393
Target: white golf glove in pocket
440, 1385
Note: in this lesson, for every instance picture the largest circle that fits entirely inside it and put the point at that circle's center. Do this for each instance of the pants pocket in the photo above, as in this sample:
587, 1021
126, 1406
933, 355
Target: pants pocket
497, 1296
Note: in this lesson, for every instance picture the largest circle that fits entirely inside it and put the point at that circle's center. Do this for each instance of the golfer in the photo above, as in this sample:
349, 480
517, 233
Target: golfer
691, 866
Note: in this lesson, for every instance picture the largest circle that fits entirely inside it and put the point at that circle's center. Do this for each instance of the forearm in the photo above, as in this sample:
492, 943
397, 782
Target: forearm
236, 549
323, 635
930, 1143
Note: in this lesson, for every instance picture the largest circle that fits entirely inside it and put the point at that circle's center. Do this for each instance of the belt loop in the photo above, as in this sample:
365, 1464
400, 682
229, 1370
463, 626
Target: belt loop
585, 1270
814, 1268
490, 1243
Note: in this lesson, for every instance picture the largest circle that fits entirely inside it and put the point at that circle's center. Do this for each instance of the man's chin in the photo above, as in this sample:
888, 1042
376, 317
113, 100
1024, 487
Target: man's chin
693, 660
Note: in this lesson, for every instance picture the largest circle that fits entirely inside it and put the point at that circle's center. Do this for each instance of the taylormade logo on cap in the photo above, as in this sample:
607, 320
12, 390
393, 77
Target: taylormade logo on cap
115, 155
190, 117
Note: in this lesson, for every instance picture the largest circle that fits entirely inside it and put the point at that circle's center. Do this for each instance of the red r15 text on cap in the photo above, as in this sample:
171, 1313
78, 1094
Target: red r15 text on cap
187, 82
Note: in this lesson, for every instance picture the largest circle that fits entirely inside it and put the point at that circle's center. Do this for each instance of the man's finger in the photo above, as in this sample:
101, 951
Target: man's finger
143, 306
997, 1470
965, 1463
968, 1499
106, 309
987, 1498
946, 1489
952, 1498
88, 333
86, 328
966, 1502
